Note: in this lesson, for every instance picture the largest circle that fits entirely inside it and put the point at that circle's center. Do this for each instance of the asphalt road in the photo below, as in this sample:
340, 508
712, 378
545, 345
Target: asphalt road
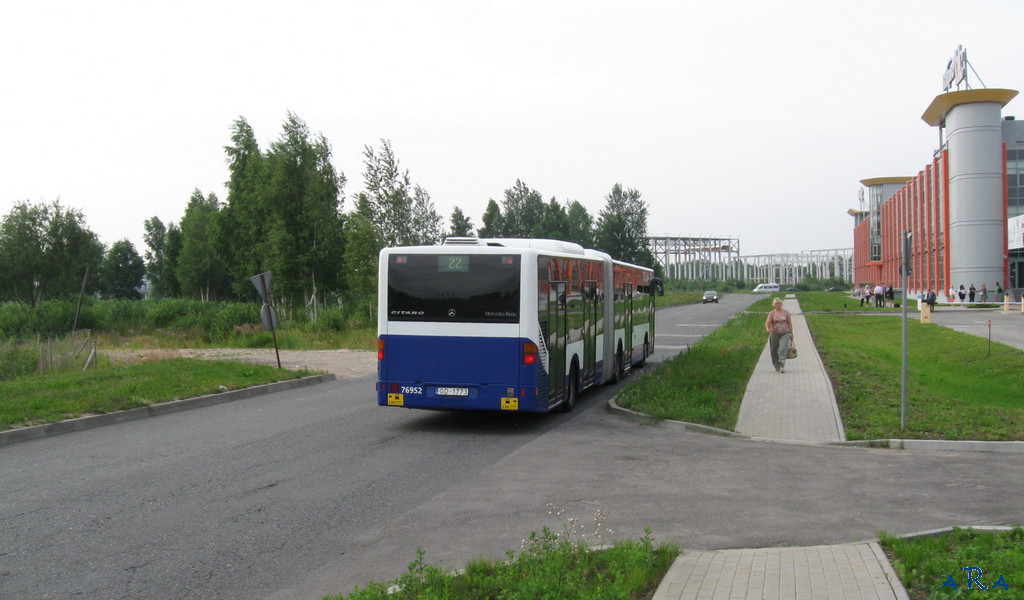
1006, 327
313, 491
679, 327
228, 501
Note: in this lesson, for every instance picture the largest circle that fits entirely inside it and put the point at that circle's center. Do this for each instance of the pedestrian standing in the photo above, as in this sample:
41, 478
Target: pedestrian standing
984, 293
962, 293
879, 296
999, 292
779, 326
971, 292
951, 295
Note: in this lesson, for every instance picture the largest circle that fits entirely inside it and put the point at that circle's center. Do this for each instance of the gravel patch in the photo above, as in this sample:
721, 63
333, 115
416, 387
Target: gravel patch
341, 363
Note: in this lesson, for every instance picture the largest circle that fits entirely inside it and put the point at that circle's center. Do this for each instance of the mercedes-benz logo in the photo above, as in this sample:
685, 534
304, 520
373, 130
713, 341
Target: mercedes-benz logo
451, 313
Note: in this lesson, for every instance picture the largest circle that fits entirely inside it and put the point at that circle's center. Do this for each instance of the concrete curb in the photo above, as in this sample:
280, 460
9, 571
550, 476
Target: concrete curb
39, 431
941, 445
641, 418
895, 444
895, 583
942, 530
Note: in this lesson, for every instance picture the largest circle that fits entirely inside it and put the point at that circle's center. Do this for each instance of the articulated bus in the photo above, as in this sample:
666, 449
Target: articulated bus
507, 324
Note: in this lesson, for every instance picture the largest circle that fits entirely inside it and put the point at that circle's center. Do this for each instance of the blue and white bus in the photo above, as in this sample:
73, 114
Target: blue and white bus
507, 324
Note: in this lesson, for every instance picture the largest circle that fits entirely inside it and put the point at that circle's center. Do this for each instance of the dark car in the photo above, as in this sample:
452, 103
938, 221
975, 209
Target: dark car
835, 288
710, 296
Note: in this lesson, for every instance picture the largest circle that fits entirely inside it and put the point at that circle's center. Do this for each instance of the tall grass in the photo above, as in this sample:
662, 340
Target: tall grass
17, 359
39, 355
165, 321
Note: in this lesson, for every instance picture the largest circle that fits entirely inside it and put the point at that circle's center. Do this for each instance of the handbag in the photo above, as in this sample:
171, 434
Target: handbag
791, 353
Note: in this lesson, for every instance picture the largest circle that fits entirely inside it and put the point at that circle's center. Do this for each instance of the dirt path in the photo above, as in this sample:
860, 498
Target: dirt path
342, 363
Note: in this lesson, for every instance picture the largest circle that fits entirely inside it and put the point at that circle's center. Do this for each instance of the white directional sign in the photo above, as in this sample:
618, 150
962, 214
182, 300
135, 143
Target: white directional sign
268, 316
262, 283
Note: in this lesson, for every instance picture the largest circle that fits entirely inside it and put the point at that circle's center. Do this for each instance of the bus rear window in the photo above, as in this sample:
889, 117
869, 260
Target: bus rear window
454, 288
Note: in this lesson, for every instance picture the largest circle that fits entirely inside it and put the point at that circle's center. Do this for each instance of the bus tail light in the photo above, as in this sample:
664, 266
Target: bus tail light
529, 353
380, 348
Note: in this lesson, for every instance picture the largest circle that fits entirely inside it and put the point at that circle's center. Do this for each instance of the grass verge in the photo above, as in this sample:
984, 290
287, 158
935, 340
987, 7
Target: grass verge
706, 383
940, 566
548, 567
33, 400
677, 297
955, 389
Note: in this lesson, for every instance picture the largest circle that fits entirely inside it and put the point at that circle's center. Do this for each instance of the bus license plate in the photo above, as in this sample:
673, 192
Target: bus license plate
450, 391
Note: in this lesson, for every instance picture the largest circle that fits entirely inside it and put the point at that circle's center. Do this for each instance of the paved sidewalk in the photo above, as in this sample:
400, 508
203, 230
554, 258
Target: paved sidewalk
844, 571
798, 405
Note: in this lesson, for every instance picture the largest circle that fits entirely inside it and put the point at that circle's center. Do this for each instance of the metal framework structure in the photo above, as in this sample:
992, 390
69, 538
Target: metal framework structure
690, 258
718, 259
793, 268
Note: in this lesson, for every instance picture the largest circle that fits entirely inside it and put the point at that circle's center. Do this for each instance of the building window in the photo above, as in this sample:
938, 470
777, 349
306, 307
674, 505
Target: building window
875, 242
1014, 181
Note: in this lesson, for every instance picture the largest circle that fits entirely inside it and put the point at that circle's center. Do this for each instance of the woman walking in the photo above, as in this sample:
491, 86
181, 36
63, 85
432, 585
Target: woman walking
779, 326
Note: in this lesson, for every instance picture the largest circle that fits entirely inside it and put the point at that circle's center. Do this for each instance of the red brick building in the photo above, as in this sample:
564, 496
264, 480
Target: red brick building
956, 207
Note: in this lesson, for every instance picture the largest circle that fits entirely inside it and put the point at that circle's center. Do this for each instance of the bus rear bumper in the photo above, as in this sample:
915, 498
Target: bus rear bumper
455, 397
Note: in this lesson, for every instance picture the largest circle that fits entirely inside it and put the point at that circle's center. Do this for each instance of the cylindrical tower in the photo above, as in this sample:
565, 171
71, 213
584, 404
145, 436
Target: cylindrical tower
976, 203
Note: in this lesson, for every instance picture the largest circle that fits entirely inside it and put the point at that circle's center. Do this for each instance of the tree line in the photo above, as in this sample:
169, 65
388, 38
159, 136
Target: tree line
285, 213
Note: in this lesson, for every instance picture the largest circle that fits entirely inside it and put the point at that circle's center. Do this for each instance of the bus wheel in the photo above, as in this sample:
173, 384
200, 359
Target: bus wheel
620, 366
570, 393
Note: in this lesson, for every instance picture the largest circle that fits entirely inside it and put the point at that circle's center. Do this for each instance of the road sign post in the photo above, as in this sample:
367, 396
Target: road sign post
905, 270
267, 314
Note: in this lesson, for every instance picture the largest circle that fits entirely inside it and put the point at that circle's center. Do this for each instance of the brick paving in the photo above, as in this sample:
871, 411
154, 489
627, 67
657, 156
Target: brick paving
839, 572
796, 405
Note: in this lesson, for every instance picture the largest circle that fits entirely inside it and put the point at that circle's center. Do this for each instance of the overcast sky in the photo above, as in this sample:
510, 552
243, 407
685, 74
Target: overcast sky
746, 119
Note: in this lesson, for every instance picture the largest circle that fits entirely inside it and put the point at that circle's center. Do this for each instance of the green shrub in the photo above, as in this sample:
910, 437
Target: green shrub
228, 315
330, 319
15, 318
167, 313
53, 317
195, 320
116, 315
